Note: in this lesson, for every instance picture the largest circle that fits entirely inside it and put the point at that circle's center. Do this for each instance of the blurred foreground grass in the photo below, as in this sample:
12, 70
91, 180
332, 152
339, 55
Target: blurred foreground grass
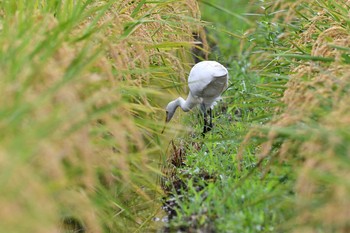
81, 82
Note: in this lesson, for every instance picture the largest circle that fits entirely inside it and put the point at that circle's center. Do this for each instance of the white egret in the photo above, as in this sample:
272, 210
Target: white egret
206, 81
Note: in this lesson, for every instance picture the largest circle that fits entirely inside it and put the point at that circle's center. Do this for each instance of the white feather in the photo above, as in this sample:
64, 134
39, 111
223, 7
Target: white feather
207, 80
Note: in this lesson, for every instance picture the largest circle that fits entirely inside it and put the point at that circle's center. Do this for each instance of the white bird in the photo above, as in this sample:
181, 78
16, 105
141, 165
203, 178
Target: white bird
206, 81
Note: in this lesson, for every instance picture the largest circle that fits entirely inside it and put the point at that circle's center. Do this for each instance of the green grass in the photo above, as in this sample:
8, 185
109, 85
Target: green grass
269, 165
225, 28
220, 192
216, 195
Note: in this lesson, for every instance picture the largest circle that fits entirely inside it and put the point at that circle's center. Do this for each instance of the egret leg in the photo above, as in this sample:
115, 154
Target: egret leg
207, 125
205, 118
211, 119
205, 128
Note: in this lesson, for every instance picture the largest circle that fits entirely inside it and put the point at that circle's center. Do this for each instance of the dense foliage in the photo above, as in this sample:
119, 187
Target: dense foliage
81, 84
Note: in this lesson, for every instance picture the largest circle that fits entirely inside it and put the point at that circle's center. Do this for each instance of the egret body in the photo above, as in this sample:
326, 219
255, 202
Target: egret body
206, 81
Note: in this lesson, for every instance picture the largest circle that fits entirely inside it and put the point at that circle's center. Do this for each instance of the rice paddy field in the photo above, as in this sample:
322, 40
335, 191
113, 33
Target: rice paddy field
84, 85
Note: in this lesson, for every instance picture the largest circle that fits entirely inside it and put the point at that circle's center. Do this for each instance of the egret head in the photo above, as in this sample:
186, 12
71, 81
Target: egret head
170, 110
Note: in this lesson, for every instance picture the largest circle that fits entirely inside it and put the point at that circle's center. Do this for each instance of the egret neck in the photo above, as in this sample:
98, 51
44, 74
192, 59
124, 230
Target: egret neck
185, 105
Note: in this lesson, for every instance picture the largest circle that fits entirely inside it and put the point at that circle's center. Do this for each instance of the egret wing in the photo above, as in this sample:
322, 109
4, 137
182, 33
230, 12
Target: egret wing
207, 79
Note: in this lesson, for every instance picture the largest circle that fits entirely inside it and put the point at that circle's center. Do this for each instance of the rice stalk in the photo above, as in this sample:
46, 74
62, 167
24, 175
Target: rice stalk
82, 82
311, 130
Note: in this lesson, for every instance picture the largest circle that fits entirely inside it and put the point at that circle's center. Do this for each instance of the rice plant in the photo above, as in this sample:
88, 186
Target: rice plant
310, 127
82, 82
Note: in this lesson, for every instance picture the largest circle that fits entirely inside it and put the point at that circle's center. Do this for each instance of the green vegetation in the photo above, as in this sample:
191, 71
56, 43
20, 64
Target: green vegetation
278, 157
84, 84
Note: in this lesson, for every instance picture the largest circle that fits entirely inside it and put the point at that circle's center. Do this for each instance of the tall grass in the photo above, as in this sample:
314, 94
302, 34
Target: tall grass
81, 84
311, 131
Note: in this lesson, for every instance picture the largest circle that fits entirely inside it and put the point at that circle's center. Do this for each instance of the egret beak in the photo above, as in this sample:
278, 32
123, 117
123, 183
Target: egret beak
167, 117
166, 121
